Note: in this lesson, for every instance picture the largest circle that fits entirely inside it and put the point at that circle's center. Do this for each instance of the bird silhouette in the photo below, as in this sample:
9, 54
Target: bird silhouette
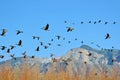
58, 44
82, 42
58, 37
51, 55
8, 50
98, 45
49, 44
89, 54
3, 32
75, 38
2, 47
24, 53
2, 56
45, 47
54, 60
24, 56
85, 62
37, 49
33, 37
65, 21
99, 21
12, 56
69, 29
114, 59
12, 47
64, 38
95, 22
52, 40
32, 56
89, 22
20, 43
112, 47
18, 32
106, 22
41, 43
46, 27
114, 22
36, 37
69, 41
107, 36
96, 74
80, 52
82, 22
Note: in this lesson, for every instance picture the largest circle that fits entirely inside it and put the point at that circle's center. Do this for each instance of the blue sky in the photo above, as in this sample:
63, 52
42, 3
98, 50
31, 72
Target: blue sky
31, 15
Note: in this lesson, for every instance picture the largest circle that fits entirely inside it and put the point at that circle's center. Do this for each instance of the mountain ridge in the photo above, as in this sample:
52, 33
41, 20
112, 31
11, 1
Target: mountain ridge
76, 57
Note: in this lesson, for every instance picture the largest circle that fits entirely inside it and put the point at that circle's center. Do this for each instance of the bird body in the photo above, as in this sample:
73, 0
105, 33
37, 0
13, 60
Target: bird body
3, 32
12, 47
99, 21
36, 37
37, 49
32, 56
107, 36
49, 44
58, 37
52, 40
46, 27
106, 22
8, 50
20, 43
24, 53
41, 43
58, 44
114, 22
45, 47
69, 29
89, 22
82, 22
18, 32
95, 22
1, 56
3, 47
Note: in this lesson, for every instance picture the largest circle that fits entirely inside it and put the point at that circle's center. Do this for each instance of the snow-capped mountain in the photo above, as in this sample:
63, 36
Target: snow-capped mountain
76, 59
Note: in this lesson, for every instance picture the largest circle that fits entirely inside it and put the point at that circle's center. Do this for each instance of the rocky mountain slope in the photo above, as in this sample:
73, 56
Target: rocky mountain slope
76, 59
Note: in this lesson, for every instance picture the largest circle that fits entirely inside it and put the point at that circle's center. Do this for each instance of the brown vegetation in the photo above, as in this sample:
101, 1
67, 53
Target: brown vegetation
27, 73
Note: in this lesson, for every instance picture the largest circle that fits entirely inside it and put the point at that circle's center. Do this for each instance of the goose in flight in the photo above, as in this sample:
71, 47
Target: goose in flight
20, 43
8, 50
58, 37
107, 36
37, 49
34, 37
2, 56
12, 47
18, 32
114, 22
69, 29
99, 21
106, 22
2, 47
3, 32
46, 27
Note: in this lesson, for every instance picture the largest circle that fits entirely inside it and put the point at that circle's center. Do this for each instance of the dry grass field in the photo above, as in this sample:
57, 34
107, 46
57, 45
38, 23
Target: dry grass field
27, 73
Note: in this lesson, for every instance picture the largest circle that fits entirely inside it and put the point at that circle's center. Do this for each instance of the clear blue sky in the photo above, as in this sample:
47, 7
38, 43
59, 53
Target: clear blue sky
31, 15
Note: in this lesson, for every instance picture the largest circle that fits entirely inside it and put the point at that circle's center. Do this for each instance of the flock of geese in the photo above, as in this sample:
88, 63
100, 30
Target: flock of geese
45, 28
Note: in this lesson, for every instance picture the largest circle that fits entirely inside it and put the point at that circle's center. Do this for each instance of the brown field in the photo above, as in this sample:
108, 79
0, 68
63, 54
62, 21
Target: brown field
26, 73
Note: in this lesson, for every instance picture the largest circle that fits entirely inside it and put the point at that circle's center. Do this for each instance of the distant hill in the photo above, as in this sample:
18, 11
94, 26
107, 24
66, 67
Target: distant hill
75, 58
